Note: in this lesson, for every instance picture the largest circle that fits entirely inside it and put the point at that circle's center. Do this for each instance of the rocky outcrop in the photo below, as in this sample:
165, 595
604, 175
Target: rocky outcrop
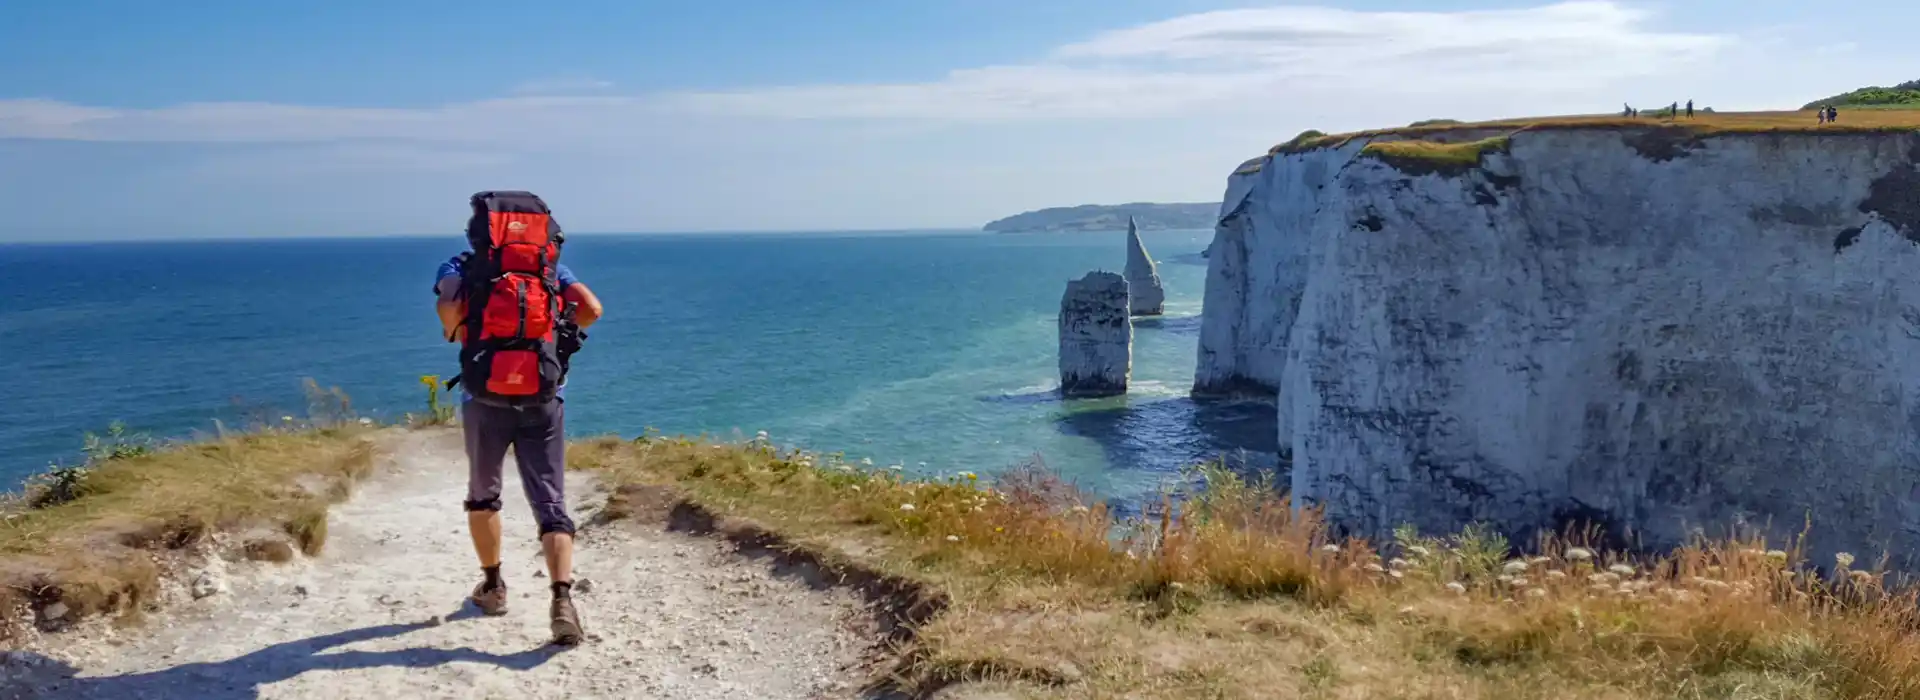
1650, 329
1143, 277
1096, 336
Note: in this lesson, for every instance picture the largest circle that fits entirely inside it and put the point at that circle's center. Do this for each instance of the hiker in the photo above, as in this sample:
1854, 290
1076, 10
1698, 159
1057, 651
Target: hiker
503, 302
1823, 115
1689, 109
1626, 110
1833, 114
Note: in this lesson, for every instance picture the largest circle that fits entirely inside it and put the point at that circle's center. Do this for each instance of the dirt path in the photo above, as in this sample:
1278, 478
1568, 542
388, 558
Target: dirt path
381, 614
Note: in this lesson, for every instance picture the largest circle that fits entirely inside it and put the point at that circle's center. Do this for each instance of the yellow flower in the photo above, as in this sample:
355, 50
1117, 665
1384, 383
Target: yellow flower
430, 379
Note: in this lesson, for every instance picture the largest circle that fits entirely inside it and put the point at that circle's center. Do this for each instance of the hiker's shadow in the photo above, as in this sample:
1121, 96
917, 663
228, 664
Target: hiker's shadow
241, 677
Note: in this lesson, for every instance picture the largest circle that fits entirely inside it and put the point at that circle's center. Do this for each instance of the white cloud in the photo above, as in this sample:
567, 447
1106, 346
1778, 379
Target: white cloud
1194, 64
562, 86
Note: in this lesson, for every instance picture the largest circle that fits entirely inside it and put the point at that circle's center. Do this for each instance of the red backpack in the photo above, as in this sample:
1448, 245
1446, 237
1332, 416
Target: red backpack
510, 355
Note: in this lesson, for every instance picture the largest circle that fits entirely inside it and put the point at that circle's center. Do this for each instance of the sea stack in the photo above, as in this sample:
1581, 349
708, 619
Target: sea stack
1143, 277
1096, 337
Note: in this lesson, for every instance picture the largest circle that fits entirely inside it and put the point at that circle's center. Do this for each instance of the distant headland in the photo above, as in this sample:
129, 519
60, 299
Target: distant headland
1149, 216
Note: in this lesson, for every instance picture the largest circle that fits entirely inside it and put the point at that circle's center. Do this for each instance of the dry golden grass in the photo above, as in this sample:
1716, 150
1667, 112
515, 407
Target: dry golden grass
95, 553
1703, 124
1234, 595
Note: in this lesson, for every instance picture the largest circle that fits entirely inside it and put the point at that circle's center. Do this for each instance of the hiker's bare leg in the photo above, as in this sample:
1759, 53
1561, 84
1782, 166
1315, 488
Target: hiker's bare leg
484, 525
559, 549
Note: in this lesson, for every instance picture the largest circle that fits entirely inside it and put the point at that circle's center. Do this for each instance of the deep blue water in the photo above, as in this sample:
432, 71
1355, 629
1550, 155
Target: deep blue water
902, 348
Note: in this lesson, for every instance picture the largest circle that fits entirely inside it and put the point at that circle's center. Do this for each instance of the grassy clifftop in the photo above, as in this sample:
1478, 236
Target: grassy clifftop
1026, 586
1233, 594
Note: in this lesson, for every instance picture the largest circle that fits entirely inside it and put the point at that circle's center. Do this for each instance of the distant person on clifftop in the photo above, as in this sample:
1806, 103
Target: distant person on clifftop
518, 315
1823, 115
1833, 114
1689, 109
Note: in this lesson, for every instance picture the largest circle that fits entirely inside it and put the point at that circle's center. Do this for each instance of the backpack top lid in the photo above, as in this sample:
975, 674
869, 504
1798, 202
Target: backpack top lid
486, 204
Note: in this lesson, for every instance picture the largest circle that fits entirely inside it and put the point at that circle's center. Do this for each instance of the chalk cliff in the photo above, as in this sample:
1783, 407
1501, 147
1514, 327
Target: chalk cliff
1143, 277
1096, 336
1653, 329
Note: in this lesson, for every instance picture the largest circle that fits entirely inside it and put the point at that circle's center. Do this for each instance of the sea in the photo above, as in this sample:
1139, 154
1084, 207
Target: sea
933, 351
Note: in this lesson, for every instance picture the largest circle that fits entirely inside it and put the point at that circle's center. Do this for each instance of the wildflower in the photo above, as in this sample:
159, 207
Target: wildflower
866, 461
1130, 554
1536, 561
1515, 567
1623, 570
1176, 585
906, 506
848, 468
1419, 551
1457, 588
1376, 568
1399, 563
1607, 578
895, 467
1396, 574
856, 488
1579, 554
1860, 576
1843, 559
969, 476
762, 435
430, 379
1331, 549
953, 538
366, 421
1556, 575
1536, 593
286, 419
1079, 509
1505, 580
1777, 557
1520, 582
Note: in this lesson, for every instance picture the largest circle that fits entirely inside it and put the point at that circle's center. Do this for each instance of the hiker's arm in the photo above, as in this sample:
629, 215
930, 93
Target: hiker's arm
589, 309
451, 314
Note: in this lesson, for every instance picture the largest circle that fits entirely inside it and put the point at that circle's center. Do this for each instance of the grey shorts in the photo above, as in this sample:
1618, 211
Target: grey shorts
538, 437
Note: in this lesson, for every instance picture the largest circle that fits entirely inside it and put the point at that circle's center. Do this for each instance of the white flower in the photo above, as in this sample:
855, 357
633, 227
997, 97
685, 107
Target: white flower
1579, 554
953, 538
1776, 556
1079, 509
855, 488
1396, 574
1399, 563
1605, 578
1536, 561
1376, 568
286, 419
866, 461
1331, 549
969, 476
1624, 570
366, 421
1419, 551
1844, 559
1457, 588
1536, 593
1515, 567
1556, 575
1519, 582
906, 506
895, 467
1860, 576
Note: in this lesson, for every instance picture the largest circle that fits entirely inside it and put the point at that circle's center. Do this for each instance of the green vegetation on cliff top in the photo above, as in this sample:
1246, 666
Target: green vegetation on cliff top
1903, 96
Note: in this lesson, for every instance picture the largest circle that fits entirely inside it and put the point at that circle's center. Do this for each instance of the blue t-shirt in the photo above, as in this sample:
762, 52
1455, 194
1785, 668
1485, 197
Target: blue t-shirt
446, 283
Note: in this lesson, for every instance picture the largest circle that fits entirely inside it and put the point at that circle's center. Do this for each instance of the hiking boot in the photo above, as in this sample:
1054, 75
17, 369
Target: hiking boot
566, 622
492, 602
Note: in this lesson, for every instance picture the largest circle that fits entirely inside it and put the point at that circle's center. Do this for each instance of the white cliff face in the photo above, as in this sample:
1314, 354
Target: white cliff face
1096, 336
1651, 332
1143, 277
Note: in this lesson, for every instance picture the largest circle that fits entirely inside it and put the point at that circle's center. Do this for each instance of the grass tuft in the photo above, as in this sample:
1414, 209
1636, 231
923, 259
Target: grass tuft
1424, 157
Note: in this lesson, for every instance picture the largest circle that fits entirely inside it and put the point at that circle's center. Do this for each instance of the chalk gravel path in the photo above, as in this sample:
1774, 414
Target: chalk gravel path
382, 614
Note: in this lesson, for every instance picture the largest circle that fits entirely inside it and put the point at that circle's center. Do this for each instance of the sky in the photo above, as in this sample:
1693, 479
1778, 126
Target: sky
237, 118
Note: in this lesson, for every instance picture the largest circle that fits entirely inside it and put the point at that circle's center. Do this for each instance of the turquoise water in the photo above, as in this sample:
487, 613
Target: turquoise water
903, 348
